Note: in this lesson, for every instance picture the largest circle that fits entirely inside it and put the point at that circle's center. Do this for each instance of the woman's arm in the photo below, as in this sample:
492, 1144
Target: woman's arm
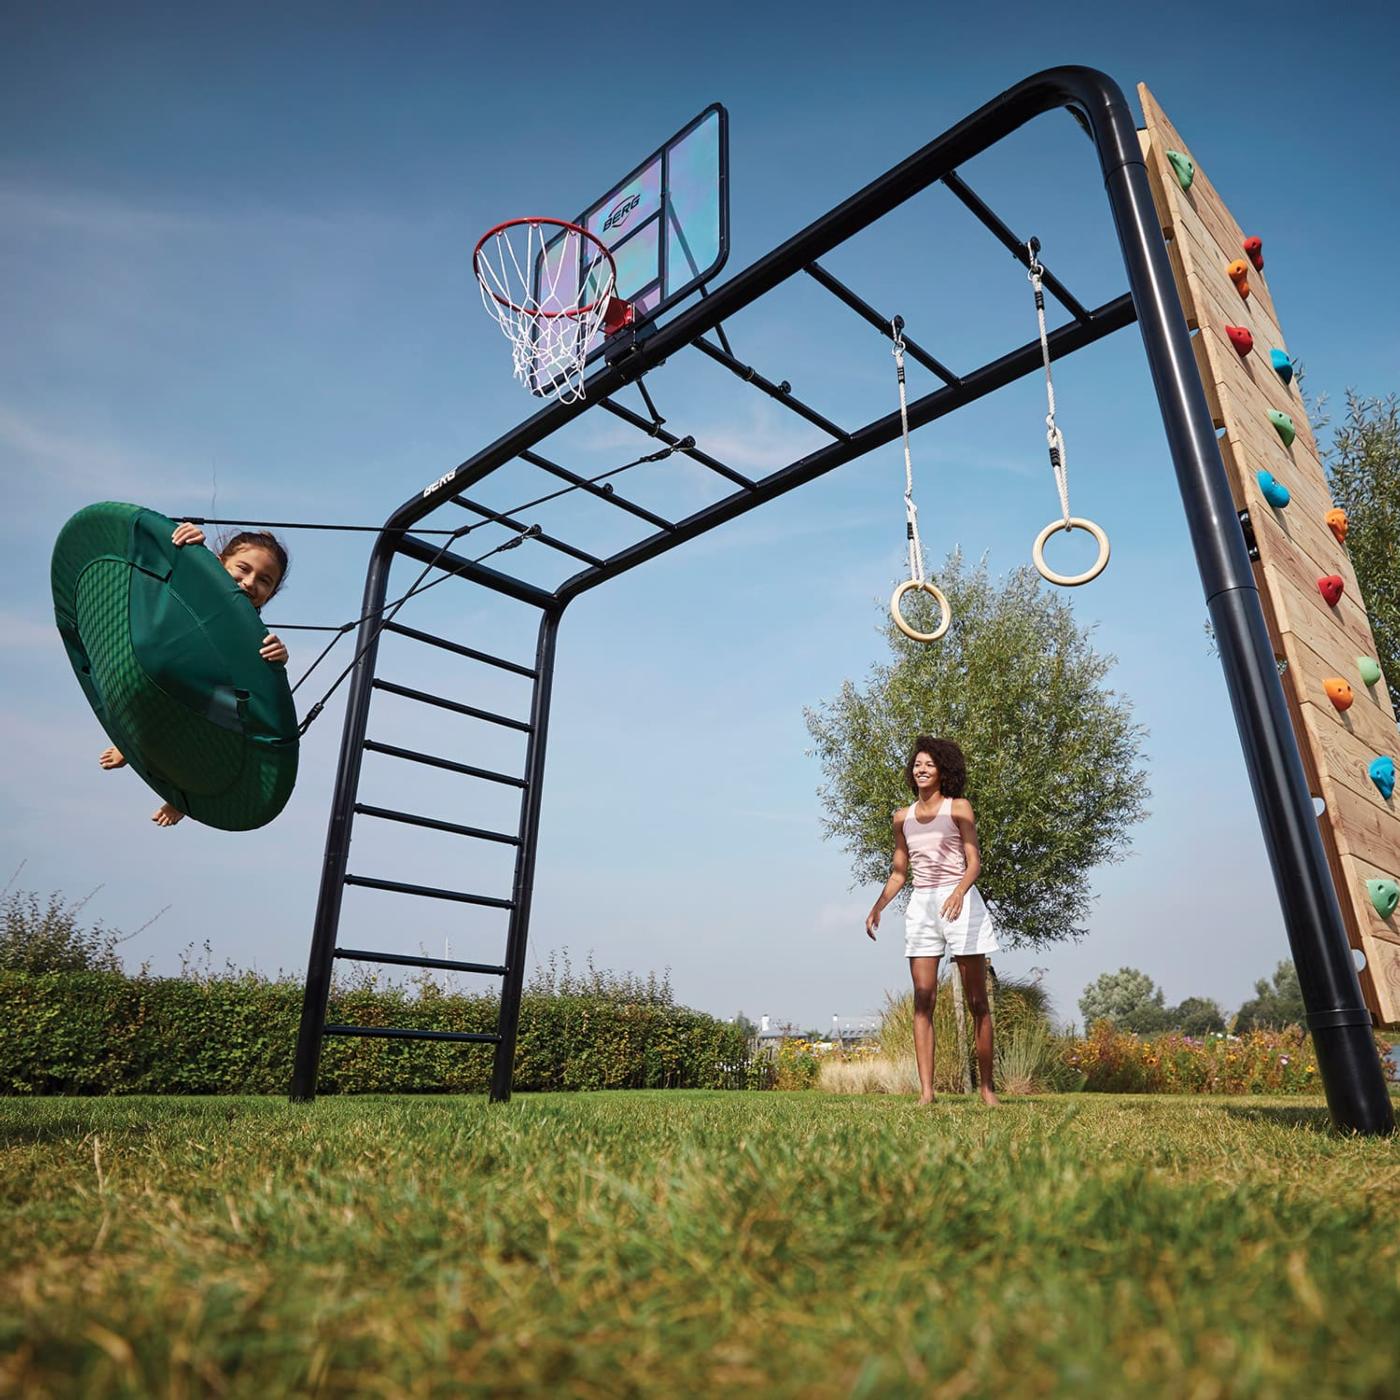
972, 852
899, 872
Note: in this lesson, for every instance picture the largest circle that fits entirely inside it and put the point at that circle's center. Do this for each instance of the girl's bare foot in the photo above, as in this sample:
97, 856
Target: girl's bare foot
111, 758
989, 1098
925, 1099
167, 814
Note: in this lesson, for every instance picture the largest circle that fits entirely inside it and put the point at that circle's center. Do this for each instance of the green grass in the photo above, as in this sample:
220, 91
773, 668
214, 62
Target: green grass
687, 1243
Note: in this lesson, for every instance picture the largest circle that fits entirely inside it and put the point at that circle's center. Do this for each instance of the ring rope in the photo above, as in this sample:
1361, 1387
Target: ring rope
916, 580
1055, 443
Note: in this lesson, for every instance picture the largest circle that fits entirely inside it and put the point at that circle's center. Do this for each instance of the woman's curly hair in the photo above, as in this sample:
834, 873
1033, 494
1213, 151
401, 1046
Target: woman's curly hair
952, 766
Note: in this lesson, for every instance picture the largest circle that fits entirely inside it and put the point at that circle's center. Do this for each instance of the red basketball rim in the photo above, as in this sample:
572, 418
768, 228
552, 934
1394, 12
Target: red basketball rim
557, 223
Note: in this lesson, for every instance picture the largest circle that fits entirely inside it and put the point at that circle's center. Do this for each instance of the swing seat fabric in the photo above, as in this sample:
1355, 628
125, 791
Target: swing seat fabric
165, 646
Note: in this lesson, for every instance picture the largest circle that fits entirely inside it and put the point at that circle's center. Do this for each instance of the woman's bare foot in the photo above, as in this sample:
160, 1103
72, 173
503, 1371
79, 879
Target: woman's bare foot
111, 758
989, 1098
167, 814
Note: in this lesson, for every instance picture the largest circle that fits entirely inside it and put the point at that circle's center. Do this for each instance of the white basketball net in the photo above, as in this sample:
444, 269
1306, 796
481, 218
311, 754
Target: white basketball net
529, 275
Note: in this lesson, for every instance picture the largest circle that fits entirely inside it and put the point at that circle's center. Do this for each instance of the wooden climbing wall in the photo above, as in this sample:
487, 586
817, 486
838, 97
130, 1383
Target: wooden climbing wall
1360, 827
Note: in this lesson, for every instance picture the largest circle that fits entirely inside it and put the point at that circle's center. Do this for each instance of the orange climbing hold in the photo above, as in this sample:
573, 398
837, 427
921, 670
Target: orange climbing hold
1337, 523
1254, 251
1238, 272
1338, 692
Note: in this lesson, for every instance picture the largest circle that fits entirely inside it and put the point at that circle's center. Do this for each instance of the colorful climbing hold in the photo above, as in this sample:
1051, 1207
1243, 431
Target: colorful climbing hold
1254, 251
1370, 672
1283, 424
1283, 366
1275, 492
1241, 339
1185, 170
1238, 273
1338, 692
1381, 771
1337, 522
1331, 586
1385, 895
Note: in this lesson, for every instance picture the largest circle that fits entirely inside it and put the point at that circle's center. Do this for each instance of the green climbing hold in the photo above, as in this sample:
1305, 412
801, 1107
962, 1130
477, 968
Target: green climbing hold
1385, 895
1284, 425
1185, 171
1370, 672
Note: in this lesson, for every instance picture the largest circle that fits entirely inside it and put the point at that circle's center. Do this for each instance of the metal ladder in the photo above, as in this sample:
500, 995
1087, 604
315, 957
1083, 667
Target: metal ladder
346, 807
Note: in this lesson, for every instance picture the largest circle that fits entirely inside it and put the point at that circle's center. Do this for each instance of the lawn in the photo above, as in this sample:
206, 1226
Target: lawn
686, 1243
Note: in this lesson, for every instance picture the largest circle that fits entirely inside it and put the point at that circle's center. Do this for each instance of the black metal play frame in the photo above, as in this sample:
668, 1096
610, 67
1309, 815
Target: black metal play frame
1337, 1016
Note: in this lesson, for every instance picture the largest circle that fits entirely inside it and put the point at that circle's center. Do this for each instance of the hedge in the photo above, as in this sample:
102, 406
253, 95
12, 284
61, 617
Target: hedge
107, 1033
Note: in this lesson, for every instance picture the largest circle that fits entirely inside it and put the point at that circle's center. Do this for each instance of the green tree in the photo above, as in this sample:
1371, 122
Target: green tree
1274, 1005
1130, 999
1196, 1016
1052, 753
1363, 469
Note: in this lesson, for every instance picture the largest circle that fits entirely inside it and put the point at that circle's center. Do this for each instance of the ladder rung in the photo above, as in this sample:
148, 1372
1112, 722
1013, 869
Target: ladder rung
429, 892
404, 1033
433, 761
389, 815
455, 705
402, 960
458, 649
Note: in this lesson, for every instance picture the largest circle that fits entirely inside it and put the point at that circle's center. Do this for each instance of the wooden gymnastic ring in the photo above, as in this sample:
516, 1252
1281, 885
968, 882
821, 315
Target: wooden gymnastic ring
1067, 580
912, 585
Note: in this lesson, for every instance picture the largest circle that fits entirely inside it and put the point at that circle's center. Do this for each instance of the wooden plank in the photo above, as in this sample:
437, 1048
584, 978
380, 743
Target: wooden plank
1202, 198
1346, 752
1362, 829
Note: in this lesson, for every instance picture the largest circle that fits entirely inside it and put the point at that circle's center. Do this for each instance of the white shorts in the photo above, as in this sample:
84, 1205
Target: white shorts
927, 934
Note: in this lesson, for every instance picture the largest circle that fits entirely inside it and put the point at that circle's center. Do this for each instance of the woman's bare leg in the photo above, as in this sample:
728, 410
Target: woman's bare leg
974, 980
925, 974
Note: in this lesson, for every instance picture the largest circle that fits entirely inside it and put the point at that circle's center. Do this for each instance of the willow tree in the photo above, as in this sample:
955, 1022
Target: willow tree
1053, 755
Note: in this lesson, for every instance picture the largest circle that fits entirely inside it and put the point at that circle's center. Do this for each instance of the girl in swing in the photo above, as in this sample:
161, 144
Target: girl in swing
257, 562
936, 836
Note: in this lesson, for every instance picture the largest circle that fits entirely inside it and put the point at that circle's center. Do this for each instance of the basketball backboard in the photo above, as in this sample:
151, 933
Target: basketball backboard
666, 223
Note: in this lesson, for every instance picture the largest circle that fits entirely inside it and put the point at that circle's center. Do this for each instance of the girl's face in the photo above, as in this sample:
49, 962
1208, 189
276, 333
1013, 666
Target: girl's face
925, 771
255, 570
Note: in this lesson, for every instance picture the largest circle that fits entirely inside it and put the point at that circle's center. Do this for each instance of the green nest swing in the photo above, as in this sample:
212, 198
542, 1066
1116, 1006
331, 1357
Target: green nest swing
165, 646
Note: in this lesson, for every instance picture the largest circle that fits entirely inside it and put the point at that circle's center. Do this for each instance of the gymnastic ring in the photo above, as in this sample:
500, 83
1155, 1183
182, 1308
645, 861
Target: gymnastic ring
1068, 580
945, 611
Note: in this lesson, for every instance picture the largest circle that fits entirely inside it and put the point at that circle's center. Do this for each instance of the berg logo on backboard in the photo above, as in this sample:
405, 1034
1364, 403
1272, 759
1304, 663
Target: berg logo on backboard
620, 211
441, 481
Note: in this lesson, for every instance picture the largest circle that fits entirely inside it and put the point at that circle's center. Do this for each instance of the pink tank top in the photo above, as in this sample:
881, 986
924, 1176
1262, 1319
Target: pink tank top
936, 854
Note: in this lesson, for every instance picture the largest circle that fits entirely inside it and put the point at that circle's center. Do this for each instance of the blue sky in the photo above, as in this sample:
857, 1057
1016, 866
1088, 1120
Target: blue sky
234, 268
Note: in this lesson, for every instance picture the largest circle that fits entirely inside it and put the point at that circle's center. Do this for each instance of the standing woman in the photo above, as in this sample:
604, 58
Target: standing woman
937, 837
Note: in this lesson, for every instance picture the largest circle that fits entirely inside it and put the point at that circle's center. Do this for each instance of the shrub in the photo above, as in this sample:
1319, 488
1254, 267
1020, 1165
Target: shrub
48, 938
100, 1032
1260, 1062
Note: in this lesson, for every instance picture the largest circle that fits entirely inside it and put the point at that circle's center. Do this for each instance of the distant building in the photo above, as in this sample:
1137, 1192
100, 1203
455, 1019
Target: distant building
845, 1031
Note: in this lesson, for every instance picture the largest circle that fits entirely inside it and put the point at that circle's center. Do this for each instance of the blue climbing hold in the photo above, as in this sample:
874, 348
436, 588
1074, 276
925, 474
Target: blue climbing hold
1283, 366
1381, 771
1275, 492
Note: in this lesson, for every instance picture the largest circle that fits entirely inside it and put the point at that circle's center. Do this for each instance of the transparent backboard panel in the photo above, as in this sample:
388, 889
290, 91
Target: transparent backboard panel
666, 224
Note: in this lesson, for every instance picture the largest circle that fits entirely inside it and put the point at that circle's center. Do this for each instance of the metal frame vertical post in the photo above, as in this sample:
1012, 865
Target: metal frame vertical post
347, 780
1336, 1012
517, 934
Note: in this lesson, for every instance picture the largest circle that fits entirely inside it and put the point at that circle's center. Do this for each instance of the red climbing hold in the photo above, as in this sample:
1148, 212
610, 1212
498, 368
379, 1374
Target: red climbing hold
1330, 586
1241, 339
1254, 251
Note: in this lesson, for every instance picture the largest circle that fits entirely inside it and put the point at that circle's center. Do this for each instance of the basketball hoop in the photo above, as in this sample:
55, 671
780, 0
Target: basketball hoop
550, 286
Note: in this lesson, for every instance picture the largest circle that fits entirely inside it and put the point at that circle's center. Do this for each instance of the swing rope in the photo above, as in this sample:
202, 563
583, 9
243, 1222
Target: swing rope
916, 581
1054, 438
418, 586
1055, 443
911, 511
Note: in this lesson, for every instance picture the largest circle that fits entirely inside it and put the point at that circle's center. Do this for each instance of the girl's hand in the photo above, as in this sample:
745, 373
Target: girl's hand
952, 906
185, 533
872, 922
273, 649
